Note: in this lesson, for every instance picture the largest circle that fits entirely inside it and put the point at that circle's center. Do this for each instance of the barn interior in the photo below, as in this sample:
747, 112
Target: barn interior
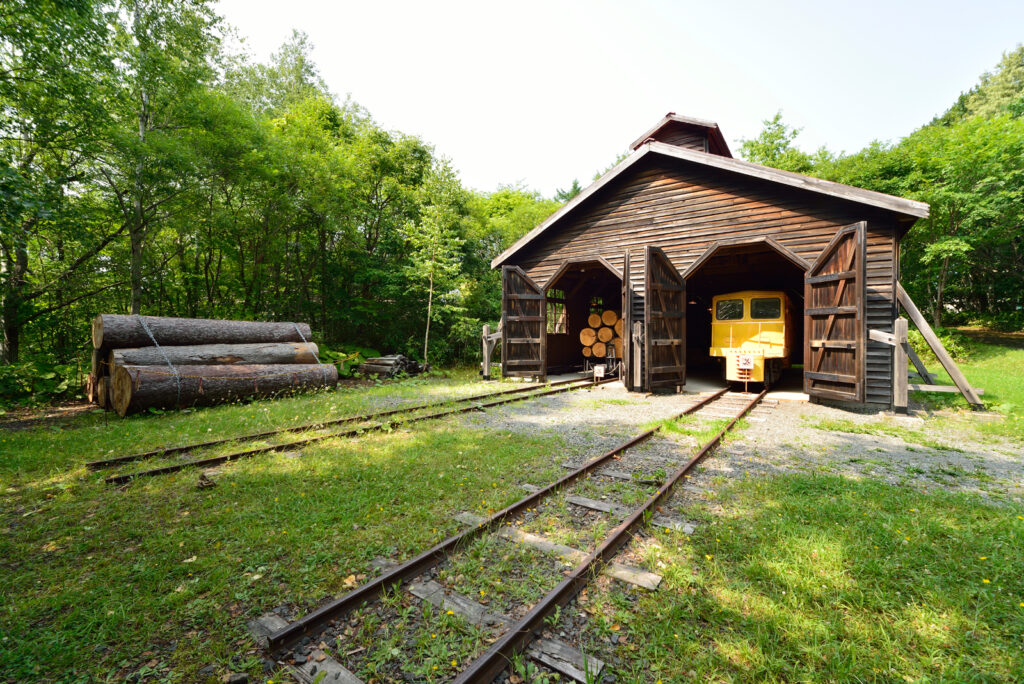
578, 290
732, 268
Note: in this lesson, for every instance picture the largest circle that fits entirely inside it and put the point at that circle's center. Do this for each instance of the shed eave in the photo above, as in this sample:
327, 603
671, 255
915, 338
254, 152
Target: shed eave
898, 205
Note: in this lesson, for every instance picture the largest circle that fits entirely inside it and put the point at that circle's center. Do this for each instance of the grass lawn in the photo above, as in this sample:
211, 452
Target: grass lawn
159, 579
996, 364
814, 578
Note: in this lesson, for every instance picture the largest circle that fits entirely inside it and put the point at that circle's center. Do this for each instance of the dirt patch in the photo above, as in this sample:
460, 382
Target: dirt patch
25, 418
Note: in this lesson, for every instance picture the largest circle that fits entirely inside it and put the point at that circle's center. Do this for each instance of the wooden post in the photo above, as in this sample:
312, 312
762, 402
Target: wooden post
485, 364
638, 356
899, 366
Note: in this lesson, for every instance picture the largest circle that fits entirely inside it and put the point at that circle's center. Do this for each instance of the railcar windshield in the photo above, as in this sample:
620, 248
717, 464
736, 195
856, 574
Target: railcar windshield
767, 307
729, 309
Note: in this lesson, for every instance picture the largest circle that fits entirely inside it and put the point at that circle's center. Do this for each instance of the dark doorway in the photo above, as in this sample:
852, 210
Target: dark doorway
578, 289
724, 268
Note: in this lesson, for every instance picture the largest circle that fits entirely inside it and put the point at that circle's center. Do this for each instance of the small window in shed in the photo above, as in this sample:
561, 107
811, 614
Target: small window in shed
766, 308
729, 309
556, 312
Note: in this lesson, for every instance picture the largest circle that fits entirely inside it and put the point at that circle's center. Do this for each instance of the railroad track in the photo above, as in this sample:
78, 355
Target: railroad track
371, 422
296, 643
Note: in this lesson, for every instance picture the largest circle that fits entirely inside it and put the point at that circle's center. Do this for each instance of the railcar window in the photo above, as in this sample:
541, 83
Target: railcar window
766, 308
729, 309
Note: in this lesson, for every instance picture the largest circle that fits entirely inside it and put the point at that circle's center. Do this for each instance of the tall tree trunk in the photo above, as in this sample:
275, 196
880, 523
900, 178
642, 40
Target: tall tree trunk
17, 270
941, 286
136, 231
430, 304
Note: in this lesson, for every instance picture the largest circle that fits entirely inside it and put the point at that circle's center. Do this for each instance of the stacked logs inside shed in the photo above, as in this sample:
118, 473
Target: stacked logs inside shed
603, 339
143, 362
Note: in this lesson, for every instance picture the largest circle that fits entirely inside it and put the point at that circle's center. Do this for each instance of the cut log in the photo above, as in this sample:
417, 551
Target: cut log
588, 352
617, 343
390, 366
600, 349
618, 327
136, 388
609, 317
119, 331
103, 392
588, 336
605, 334
99, 367
594, 320
212, 354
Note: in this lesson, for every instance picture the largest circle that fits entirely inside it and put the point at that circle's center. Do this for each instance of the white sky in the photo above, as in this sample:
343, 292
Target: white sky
544, 92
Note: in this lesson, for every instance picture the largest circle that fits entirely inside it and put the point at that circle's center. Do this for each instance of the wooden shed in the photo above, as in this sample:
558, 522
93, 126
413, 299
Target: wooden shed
679, 221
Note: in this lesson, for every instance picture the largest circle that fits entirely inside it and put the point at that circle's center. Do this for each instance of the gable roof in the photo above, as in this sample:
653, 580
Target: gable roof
715, 137
899, 205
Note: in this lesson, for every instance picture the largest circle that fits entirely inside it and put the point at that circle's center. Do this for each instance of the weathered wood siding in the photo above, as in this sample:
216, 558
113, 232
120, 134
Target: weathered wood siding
683, 207
695, 140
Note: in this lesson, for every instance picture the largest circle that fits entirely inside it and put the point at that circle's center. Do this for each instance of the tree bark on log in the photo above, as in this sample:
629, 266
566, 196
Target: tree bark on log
212, 354
136, 388
119, 331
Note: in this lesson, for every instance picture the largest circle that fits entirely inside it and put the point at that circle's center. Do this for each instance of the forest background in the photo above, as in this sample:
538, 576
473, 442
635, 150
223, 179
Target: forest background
147, 166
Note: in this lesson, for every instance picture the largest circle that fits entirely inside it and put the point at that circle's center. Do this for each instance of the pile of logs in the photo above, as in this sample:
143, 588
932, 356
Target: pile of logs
390, 366
198, 362
603, 339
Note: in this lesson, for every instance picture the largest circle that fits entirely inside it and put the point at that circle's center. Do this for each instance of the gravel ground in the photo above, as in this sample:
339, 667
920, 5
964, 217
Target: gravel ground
780, 438
913, 457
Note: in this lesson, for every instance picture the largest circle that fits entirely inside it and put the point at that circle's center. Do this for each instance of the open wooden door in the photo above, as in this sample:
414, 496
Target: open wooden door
834, 321
664, 322
523, 325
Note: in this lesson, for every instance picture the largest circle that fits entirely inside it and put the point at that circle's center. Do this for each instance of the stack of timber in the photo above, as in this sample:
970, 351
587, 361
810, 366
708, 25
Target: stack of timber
390, 366
142, 362
603, 339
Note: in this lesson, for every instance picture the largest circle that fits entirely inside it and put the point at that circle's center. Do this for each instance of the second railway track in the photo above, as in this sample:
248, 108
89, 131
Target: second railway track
365, 423
427, 577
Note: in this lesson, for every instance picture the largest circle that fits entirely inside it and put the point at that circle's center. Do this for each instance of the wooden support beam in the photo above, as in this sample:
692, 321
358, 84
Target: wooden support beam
883, 337
919, 365
946, 389
940, 351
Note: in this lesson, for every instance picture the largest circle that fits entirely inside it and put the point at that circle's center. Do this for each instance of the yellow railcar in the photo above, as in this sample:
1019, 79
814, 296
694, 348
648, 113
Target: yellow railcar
752, 332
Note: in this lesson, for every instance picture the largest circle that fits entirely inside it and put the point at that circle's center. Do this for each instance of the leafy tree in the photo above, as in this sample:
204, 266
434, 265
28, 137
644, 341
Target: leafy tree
774, 147
53, 110
1000, 89
165, 50
433, 241
570, 192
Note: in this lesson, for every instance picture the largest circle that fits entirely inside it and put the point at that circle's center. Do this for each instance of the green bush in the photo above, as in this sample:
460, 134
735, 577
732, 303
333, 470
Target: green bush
954, 342
32, 383
346, 357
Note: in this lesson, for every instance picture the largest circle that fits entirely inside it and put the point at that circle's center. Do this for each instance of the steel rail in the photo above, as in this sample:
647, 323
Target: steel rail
248, 453
156, 453
316, 620
496, 658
